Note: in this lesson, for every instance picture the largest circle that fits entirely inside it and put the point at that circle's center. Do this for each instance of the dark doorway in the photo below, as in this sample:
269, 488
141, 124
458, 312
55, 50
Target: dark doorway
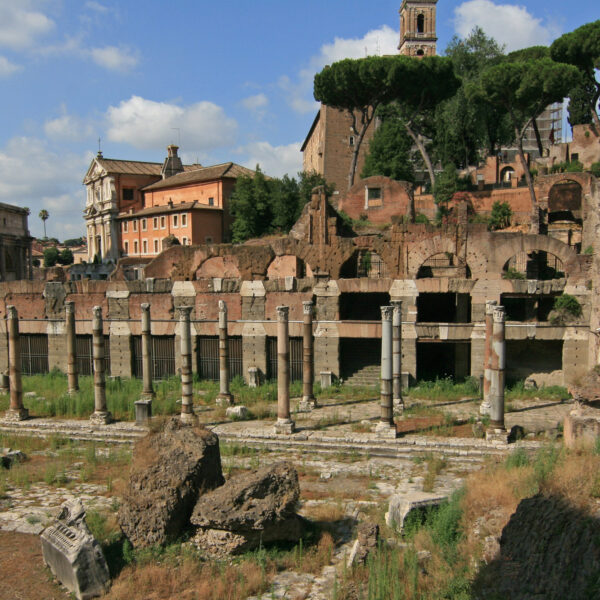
437, 360
362, 307
360, 355
444, 308
524, 357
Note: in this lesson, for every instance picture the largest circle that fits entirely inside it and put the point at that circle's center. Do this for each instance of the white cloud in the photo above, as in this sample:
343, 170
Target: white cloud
21, 25
147, 124
33, 175
68, 127
375, 42
6, 67
257, 105
96, 6
273, 160
508, 24
114, 59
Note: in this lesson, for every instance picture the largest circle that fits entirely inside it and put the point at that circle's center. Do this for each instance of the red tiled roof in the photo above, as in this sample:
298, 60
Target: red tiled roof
225, 170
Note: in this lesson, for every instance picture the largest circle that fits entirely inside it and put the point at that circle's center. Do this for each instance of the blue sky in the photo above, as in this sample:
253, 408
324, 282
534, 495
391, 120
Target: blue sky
225, 80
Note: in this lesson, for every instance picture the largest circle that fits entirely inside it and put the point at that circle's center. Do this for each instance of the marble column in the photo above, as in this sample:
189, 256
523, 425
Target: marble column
16, 411
284, 422
308, 401
484, 409
224, 398
187, 392
101, 415
386, 426
398, 401
72, 374
143, 406
497, 430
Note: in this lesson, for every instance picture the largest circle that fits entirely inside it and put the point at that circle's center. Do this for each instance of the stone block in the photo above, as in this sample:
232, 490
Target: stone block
285, 426
143, 411
326, 379
401, 506
73, 555
253, 377
237, 413
582, 427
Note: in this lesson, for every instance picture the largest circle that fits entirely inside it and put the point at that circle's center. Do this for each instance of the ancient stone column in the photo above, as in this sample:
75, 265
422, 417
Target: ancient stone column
143, 406
308, 366
16, 411
187, 392
72, 375
224, 398
101, 415
498, 362
386, 426
397, 356
484, 409
284, 422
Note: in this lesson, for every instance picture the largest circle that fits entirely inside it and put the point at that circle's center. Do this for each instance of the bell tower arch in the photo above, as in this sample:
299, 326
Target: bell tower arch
417, 28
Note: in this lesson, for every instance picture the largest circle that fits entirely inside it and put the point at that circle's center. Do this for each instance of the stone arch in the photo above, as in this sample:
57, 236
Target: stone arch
218, 266
420, 23
506, 174
288, 265
529, 243
425, 250
444, 264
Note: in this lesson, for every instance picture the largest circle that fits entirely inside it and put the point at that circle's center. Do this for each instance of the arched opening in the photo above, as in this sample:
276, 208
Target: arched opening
421, 23
507, 174
218, 266
287, 265
536, 264
444, 264
420, 52
370, 264
565, 214
350, 268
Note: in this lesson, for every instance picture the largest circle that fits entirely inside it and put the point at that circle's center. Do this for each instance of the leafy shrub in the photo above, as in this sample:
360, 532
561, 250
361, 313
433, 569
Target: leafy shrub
567, 306
595, 169
512, 273
50, 256
501, 214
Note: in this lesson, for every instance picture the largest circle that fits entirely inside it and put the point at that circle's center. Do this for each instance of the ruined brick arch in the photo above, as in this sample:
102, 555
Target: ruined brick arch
426, 249
529, 243
218, 266
288, 265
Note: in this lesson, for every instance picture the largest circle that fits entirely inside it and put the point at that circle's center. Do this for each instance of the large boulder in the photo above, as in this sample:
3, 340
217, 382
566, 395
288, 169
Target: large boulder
249, 509
169, 470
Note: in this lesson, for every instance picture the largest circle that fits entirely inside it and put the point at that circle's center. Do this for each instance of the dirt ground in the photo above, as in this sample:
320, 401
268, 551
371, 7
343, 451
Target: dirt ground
16, 550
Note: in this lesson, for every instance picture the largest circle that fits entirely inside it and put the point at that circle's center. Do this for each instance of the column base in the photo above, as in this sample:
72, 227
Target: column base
497, 434
16, 414
285, 426
224, 400
485, 408
143, 410
188, 418
307, 404
386, 430
101, 418
398, 404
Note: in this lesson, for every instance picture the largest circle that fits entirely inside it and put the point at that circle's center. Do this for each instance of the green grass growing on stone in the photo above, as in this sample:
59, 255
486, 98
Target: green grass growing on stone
445, 389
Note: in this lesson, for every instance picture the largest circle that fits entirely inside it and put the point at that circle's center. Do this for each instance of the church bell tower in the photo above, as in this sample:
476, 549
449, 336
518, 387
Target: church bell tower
417, 28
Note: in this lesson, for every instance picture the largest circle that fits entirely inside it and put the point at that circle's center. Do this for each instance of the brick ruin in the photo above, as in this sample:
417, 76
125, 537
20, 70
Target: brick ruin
443, 277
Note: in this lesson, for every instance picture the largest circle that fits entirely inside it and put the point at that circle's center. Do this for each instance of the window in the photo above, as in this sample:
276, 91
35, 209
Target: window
184, 220
211, 201
162, 223
155, 246
420, 52
144, 246
134, 223
175, 220
351, 140
136, 249
126, 247
421, 23
125, 226
155, 222
144, 224
184, 241
128, 194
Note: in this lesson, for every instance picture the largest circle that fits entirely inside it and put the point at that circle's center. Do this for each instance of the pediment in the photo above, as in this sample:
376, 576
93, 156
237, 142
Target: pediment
95, 171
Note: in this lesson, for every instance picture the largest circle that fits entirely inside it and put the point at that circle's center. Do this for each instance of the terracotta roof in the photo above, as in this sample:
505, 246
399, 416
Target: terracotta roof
135, 167
225, 170
167, 208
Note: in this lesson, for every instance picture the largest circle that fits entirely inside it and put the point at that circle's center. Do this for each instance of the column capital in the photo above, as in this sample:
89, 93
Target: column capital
386, 313
499, 314
489, 306
222, 307
70, 307
11, 312
184, 313
145, 306
282, 313
307, 307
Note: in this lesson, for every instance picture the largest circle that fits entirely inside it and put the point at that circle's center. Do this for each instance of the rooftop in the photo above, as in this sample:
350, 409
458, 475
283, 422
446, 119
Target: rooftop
198, 175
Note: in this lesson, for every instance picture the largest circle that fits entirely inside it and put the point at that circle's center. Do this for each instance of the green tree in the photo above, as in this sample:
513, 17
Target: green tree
444, 189
523, 88
44, 215
250, 206
500, 216
66, 257
580, 100
581, 48
389, 152
50, 256
284, 200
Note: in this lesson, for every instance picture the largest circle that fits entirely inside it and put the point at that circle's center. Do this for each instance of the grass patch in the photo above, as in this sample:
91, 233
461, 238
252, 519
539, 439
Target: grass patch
445, 389
517, 391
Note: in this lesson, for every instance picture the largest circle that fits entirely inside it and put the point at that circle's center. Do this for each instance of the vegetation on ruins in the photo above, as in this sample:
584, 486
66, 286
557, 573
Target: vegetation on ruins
262, 205
500, 216
566, 308
51, 256
581, 48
